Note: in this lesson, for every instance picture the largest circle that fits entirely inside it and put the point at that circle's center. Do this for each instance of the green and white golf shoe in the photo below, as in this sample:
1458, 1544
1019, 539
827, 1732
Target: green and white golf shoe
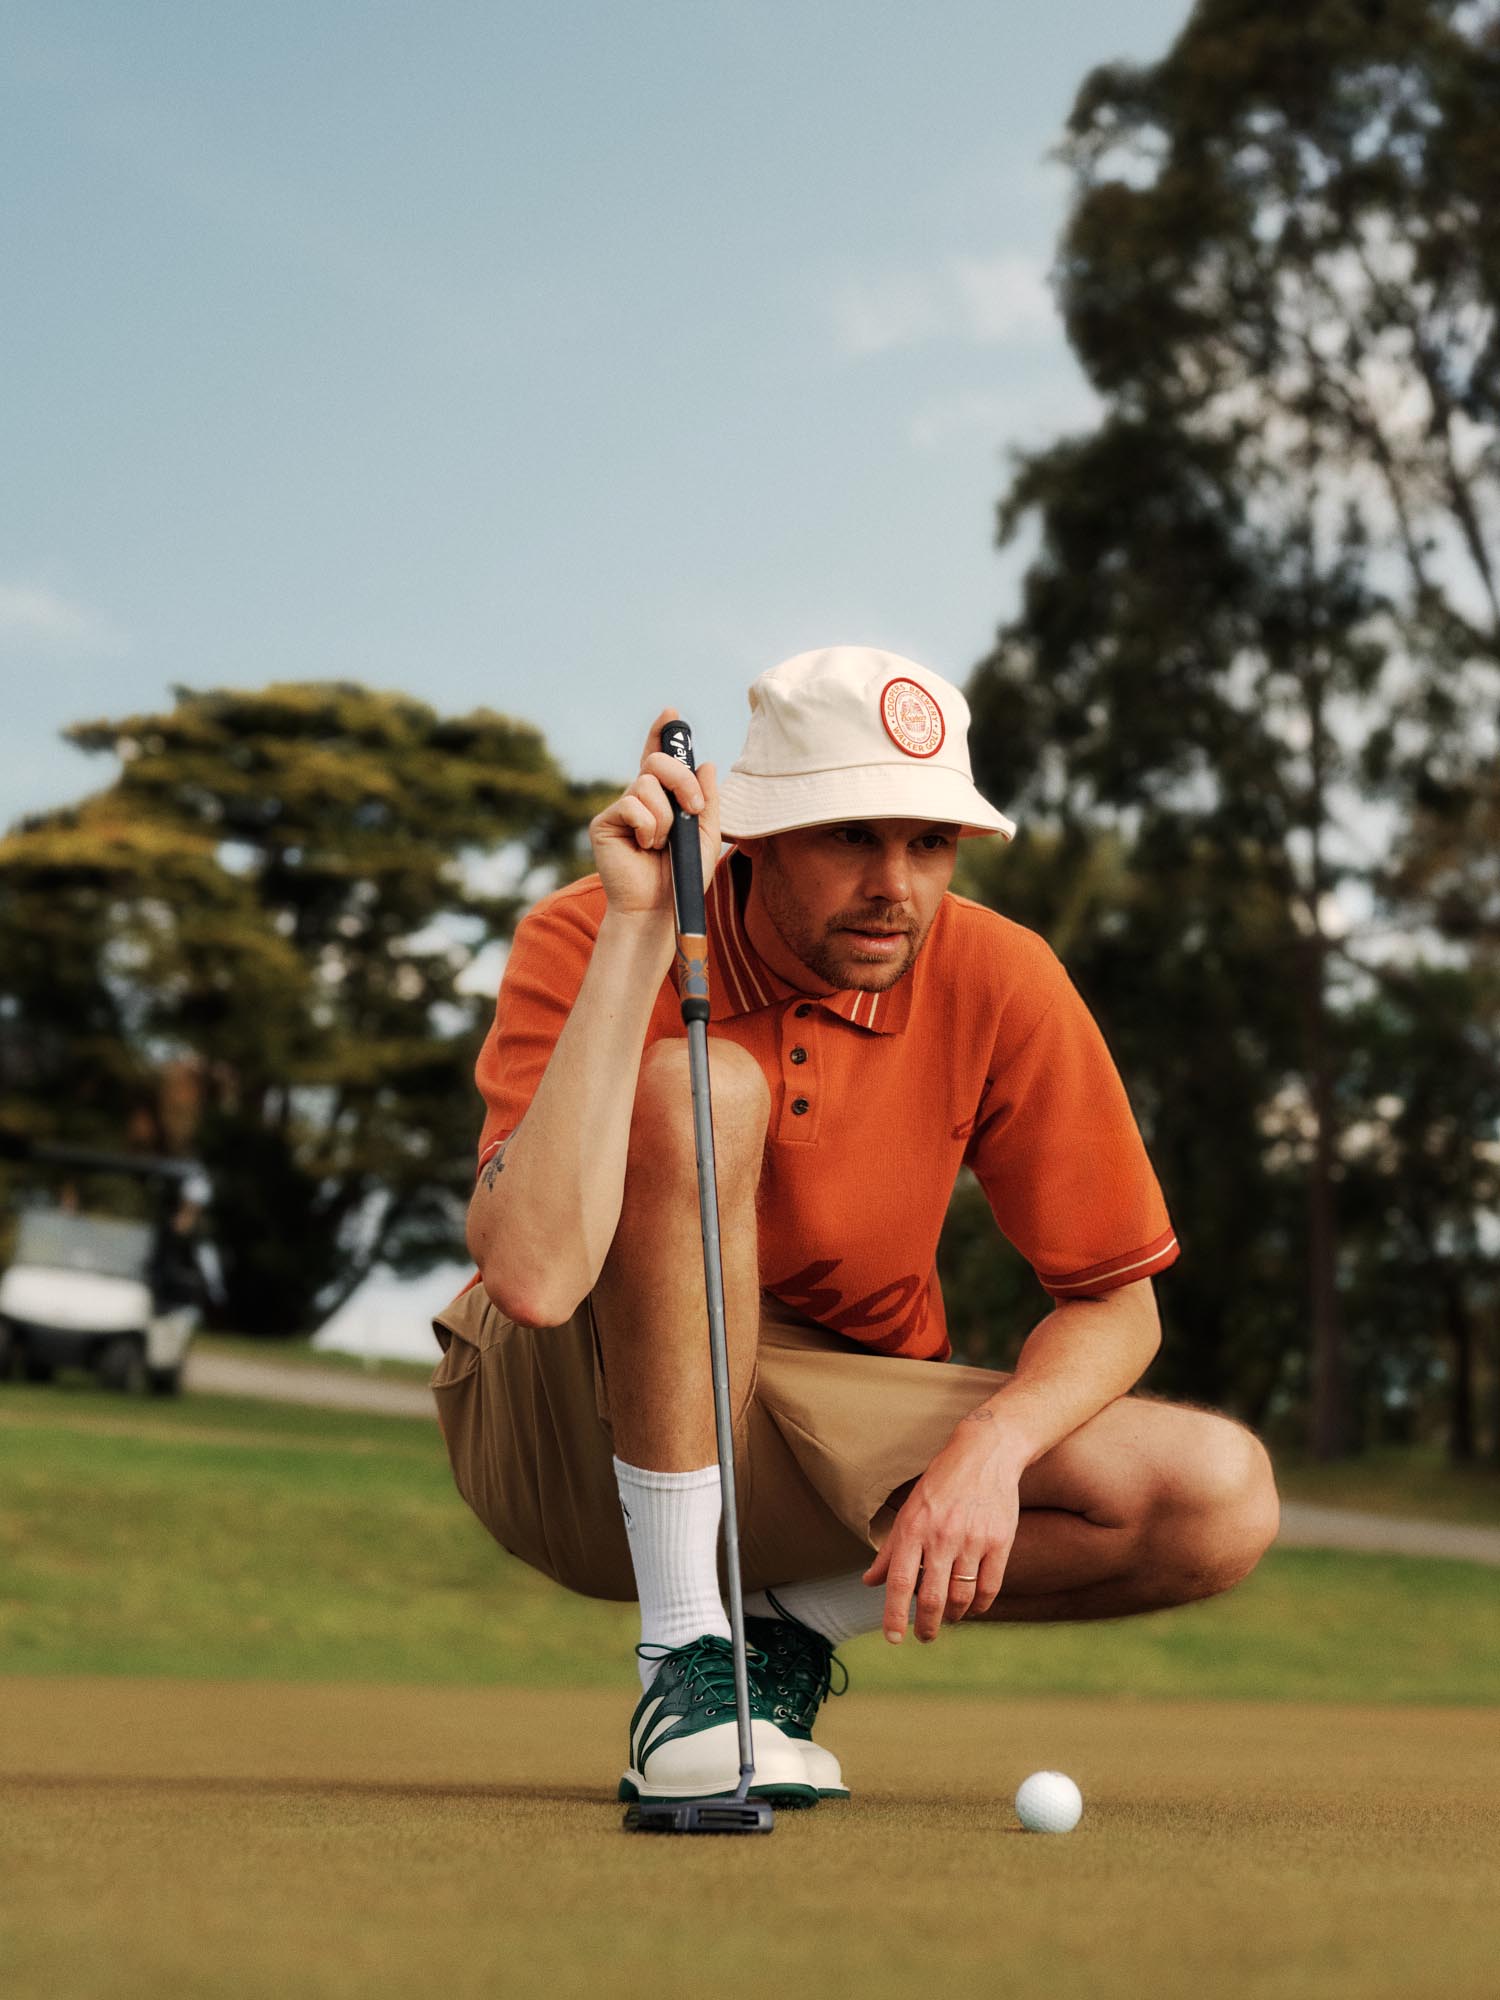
796, 1672
684, 1741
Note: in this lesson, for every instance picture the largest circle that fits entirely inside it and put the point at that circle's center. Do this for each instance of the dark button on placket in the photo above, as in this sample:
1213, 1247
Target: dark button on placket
803, 1011
799, 1105
799, 1055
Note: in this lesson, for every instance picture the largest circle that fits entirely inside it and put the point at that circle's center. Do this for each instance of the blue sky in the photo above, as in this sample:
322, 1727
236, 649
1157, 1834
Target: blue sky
568, 359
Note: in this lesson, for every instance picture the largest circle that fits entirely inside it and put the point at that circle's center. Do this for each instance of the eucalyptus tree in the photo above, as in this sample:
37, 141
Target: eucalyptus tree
1264, 609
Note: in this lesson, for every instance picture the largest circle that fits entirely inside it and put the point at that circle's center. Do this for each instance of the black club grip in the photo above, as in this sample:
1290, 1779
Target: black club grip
687, 887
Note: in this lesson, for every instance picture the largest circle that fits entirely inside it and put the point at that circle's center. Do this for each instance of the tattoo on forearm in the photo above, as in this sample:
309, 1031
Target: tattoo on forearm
980, 1416
495, 1166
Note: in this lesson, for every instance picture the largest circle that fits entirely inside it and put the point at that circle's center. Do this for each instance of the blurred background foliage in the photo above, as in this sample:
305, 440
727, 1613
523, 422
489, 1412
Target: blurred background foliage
252, 945
1247, 713
1248, 708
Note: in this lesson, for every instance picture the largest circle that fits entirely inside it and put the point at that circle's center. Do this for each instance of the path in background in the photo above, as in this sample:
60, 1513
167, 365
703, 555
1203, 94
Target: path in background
1307, 1527
327, 1388
1302, 1526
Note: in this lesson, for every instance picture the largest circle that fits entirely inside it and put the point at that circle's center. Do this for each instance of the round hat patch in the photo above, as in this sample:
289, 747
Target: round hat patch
912, 719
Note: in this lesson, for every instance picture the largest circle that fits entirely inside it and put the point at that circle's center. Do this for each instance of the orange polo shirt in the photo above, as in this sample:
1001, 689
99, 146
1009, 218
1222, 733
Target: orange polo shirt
983, 1055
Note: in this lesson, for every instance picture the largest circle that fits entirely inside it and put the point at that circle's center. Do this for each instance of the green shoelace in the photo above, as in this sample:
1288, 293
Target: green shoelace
707, 1669
806, 1661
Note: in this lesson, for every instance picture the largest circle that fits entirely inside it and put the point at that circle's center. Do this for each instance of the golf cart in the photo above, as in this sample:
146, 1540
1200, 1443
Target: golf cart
122, 1298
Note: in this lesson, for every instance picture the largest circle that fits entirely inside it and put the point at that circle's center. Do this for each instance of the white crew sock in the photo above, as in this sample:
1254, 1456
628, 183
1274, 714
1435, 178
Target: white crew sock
840, 1607
672, 1520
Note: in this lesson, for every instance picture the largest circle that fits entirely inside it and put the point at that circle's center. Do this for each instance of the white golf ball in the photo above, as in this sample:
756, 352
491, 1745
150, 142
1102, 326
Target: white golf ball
1049, 1803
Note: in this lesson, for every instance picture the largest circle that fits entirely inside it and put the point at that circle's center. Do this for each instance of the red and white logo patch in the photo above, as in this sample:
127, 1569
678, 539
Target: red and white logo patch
912, 719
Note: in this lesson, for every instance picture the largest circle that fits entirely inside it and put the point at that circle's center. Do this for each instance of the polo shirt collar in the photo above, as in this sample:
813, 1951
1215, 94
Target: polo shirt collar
740, 981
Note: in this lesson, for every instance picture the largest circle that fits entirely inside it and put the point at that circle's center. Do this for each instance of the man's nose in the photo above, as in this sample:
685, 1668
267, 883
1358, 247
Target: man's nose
888, 879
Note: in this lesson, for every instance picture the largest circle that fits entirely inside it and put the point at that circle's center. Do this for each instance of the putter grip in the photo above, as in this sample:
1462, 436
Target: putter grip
687, 887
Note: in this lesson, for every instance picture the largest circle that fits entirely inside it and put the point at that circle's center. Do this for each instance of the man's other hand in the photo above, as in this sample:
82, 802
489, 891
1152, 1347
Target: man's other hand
952, 1538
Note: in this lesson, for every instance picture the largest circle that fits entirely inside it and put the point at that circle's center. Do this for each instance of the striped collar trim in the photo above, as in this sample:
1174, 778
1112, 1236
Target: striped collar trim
741, 981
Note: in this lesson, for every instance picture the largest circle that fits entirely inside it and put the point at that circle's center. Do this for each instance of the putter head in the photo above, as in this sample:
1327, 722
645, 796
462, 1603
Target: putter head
700, 1816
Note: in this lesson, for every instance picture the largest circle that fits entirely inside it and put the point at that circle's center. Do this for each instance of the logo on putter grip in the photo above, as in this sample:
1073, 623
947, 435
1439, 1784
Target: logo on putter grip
912, 719
692, 968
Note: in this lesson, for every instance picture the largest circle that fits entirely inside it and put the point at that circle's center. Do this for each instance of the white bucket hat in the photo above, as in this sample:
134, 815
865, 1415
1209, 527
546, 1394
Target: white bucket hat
852, 733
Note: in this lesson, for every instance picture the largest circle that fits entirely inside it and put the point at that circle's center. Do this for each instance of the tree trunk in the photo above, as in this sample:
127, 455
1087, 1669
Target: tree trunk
1462, 1446
1328, 1430
1328, 1413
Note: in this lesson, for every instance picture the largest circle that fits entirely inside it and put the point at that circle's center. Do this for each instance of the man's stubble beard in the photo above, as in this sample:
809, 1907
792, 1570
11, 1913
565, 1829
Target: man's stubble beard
816, 949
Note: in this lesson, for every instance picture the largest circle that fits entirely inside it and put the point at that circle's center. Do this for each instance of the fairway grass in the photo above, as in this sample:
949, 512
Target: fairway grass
355, 1843
225, 1538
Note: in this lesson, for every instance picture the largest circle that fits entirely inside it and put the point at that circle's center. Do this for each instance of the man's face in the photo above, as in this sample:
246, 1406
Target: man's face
851, 903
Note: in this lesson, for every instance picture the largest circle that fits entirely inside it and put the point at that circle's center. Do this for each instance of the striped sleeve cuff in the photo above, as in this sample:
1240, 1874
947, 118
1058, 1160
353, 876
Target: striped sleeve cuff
1117, 1271
488, 1153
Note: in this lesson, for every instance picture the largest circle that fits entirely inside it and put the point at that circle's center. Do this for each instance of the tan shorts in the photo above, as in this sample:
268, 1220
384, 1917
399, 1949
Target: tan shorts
830, 1431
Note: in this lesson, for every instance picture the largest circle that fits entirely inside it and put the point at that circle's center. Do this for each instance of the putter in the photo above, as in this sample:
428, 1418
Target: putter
739, 1813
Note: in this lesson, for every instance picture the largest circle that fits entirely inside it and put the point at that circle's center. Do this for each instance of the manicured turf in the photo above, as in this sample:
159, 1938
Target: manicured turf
349, 1843
219, 1537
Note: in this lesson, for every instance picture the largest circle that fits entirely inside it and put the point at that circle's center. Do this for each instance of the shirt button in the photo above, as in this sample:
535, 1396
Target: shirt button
799, 1105
799, 1055
803, 1011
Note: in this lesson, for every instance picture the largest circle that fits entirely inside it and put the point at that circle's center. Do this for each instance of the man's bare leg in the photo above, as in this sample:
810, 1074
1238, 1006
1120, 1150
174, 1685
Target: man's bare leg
651, 1313
1148, 1504
649, 1302
650, 1309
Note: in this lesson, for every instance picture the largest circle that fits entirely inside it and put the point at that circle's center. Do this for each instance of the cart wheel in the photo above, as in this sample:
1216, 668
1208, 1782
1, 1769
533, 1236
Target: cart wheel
9, 1356
35, 1370
164, 1381
122, 1365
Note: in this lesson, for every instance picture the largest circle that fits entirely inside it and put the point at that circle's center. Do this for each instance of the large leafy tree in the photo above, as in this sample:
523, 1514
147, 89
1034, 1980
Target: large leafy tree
281, 892
1164, 945
1422, 1189
1262, 620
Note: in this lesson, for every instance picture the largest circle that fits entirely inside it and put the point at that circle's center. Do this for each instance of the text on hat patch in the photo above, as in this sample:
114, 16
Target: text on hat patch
912, 719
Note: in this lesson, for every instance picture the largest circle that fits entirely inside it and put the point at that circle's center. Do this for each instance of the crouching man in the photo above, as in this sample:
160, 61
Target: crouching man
871, 1033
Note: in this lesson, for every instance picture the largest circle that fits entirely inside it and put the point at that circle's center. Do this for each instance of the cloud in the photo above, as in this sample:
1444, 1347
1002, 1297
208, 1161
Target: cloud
988, 301
34, 619
1026, 416
1003, 298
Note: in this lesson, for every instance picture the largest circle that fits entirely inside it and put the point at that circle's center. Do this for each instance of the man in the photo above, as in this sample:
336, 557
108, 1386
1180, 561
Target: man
870, 1033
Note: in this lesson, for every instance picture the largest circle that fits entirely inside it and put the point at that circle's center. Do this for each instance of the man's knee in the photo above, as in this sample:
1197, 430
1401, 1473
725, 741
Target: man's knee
661, 1126
1218, 1510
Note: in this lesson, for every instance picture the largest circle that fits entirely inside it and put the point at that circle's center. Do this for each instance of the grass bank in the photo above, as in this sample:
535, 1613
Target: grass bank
301, 1353
221, 1537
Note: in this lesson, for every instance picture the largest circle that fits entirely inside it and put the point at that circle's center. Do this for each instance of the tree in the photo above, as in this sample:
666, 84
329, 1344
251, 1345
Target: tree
1165, 945
1424, 1181
1263, 613
286, 888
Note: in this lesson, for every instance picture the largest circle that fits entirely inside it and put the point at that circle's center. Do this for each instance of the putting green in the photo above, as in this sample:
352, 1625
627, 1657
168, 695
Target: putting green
191, 1838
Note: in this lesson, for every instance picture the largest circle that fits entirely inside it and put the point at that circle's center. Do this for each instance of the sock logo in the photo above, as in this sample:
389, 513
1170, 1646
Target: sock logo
626, 1512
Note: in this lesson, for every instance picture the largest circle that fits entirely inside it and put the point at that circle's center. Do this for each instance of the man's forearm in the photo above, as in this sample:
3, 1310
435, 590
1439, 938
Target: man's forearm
545, 1210
1084, 1354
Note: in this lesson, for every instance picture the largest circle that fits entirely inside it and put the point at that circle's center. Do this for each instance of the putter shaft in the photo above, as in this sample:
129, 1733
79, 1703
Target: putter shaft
713, 1280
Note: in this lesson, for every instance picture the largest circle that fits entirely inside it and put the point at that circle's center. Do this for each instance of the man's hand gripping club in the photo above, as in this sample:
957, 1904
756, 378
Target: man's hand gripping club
629, 838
